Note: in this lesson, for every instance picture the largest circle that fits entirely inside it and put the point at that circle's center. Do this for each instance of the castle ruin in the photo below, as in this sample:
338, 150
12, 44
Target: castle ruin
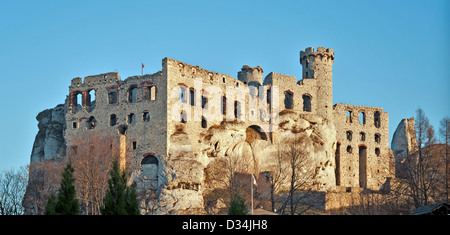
167, 136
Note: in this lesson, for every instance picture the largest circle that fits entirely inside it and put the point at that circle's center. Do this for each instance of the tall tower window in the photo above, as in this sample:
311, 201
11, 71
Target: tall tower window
306, 103
376, 119
288, 100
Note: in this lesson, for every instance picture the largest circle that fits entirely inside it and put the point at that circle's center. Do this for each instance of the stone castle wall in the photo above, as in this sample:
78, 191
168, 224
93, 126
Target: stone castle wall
174, 124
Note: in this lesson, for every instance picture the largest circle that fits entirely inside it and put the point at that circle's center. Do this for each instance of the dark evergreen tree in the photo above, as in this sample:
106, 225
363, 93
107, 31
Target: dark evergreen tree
51, 204
237, 206
119, 199
66, 202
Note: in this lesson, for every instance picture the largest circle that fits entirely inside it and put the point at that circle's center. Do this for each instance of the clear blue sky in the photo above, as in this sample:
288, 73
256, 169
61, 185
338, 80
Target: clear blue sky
390, 54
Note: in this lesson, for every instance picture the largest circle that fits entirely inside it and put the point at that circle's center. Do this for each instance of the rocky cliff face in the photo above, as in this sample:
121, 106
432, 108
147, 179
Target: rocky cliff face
194, 170
49, 143
185, 178
403, 143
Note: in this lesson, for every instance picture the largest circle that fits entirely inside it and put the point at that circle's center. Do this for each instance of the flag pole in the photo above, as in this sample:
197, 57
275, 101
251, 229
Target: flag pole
251, 182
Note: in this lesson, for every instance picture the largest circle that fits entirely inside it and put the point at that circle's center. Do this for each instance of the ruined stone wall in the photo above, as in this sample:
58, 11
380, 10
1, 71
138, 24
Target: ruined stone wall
176, 123
355, 134
133, 110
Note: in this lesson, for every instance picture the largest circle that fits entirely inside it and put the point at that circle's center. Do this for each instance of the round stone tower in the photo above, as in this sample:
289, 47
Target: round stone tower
318, 65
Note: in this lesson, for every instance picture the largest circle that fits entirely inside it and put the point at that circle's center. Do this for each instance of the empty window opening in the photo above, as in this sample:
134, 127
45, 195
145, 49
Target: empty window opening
349, 135
134, 145
288, 100
269, 98
237, 109
349, 149
91, 97
223, 80
349, 116
337, 170
363, 166
112, 120
131, 119
306, 103
204, 102
204, 123
183, 117
122, 129
112, 96
192, 97
377, 138
74, 125
145, 116
91, 123
362, 118
132, 94
363, 136
377, 151
150, 93
376, 119
183, 94
77, 98
224, 105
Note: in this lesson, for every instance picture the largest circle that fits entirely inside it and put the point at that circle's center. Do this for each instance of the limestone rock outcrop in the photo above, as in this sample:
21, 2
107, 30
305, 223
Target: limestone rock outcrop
403, 143
49, 143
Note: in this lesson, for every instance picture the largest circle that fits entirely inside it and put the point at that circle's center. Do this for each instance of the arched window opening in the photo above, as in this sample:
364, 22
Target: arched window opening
348, 116
224, 105
377, 151
363, 136
306, 103
363, 166
362, 118
376, 119
122, 129
254, 132
349, 149
377, 138
91, 123
192, 96
149, 171
349, 135
183, 94
78, 99
131, 119
204, 123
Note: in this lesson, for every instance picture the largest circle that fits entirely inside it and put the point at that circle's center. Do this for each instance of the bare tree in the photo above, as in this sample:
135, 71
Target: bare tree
422, 167
276, 177
44, 178
12, 189
228, 175
300, 170
444, 132
91, 156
